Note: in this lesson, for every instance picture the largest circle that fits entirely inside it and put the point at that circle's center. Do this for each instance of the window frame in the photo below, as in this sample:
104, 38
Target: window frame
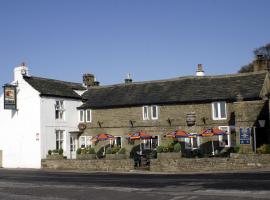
189, 143
59, 142
220, 137
114, 142
79, 115
59, 110
86, 144
152, 117
219, 110
90, 115
143, 112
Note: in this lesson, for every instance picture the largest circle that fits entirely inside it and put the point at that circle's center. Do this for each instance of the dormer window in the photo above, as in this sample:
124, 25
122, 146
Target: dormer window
59, 109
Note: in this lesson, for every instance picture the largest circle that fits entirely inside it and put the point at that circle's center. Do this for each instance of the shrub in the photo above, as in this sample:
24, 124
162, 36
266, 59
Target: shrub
91, 150
170, 147
264, 149
236, 149
177, 147
108, 151
79, 151
55, 151
160, 149
115, 150
122, 151
50, 152
165, 149
60, 151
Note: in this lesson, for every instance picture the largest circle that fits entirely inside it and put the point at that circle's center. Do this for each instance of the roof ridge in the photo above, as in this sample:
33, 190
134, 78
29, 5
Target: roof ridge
181, 78
55, 80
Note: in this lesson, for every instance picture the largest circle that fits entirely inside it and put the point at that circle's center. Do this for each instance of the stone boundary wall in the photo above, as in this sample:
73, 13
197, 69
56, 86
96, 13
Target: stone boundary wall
122, 165
235, 162
165, 164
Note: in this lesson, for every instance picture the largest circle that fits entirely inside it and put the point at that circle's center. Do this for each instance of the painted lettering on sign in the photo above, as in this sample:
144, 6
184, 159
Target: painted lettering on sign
245, 135
10, 97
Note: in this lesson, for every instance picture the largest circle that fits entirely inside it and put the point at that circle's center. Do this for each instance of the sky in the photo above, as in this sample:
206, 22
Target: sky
150, 39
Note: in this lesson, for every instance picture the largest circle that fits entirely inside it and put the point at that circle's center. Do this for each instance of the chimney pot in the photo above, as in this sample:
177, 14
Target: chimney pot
200, 71
128, 79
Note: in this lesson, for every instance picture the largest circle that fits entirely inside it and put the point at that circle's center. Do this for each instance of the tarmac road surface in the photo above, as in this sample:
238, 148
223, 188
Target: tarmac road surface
57, 185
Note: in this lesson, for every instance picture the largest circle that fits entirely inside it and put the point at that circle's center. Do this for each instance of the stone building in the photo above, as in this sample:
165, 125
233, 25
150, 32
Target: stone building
228, 102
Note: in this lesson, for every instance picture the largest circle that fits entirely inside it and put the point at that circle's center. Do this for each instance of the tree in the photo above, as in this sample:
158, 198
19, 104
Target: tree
263, 51
246, 68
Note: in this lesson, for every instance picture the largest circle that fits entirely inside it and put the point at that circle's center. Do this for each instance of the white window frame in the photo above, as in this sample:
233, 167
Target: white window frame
60, 109
85, 139
79, 115
90, 115
59, 139
145, 117
152, 117
219, 110
220, 137
114, 141
189, 143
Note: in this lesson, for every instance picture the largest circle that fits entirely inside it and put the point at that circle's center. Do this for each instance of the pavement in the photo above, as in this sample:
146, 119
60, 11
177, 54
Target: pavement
28, 184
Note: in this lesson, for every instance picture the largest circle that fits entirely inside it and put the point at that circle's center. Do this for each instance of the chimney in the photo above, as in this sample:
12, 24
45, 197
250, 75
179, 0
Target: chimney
90, 80
128, 79
200, 71
261, 63
20, 71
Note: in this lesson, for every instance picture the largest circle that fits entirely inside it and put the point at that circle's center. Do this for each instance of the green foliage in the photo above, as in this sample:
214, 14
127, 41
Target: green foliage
79, 151
115, 150
160, 149
90, 150
108, 151
236, 149
122, 151
264, 149
55, 151
177, 147
50, 152
60, 151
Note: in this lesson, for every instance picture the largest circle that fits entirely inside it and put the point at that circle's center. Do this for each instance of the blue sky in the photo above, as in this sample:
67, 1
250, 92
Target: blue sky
151, 39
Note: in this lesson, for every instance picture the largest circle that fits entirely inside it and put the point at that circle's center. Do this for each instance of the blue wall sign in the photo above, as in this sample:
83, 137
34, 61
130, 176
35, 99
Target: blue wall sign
245, 135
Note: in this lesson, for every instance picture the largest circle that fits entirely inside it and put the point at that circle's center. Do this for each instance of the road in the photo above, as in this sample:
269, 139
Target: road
55, 185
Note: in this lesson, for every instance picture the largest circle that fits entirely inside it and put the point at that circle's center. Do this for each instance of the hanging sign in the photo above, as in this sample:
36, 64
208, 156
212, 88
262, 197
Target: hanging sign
10, 97
245, 135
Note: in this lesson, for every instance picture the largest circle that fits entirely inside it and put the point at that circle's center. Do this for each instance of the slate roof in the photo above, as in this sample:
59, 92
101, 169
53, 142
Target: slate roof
54, 88
177, 90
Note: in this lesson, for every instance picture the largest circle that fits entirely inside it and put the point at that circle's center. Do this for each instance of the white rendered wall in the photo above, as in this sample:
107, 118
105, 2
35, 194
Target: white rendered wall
49, 124
19, 129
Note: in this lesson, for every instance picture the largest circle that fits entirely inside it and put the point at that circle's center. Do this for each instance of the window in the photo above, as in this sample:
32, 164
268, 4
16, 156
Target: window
85, 141
192, 143
145, 113
88, 116
154, 112
117, 141
225, 140
81, 115
219, 111
59, 139
151, 143
59, 109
